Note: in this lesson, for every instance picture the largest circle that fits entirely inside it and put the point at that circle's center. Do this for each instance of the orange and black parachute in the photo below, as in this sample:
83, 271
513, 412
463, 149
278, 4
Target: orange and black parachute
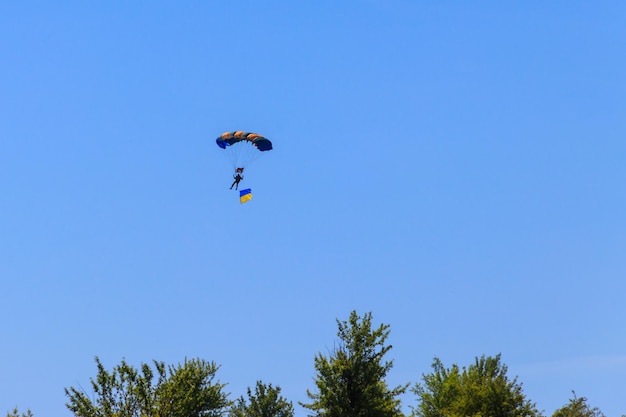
230, 138
242, 148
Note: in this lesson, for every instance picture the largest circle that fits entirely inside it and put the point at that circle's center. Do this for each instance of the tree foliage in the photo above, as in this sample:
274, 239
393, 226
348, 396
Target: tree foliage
266, 401
480, 390
185, 390
17, 413
351, 380
578, 407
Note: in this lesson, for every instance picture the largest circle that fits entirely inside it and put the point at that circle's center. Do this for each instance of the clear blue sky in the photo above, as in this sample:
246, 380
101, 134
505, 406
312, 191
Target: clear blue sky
456, 168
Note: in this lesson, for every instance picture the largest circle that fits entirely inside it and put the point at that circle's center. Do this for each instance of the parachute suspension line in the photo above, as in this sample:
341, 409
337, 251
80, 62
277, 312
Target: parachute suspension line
242, 154
243, 148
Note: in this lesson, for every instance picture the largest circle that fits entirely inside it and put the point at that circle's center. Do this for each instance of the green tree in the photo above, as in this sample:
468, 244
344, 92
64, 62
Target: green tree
16, 413
266, 401
186, 390
578, 407
480, 390
351, 380
191, 391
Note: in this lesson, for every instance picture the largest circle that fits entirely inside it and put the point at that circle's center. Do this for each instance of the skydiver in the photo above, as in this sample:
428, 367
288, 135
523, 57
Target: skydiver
238, 177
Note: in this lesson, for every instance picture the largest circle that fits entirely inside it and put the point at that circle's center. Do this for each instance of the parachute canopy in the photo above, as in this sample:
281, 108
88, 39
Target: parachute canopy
243, 147
230, 138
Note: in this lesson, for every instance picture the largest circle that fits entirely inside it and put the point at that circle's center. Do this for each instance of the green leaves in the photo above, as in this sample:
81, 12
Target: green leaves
351, 380
186, 390
480, 390
16, 413
190, 391
266, 401
578, 407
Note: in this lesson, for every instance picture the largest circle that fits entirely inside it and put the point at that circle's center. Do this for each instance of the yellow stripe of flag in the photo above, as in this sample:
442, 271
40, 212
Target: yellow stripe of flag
245, 195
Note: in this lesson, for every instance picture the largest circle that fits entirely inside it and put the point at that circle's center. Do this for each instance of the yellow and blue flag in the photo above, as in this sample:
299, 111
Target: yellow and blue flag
245, 195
